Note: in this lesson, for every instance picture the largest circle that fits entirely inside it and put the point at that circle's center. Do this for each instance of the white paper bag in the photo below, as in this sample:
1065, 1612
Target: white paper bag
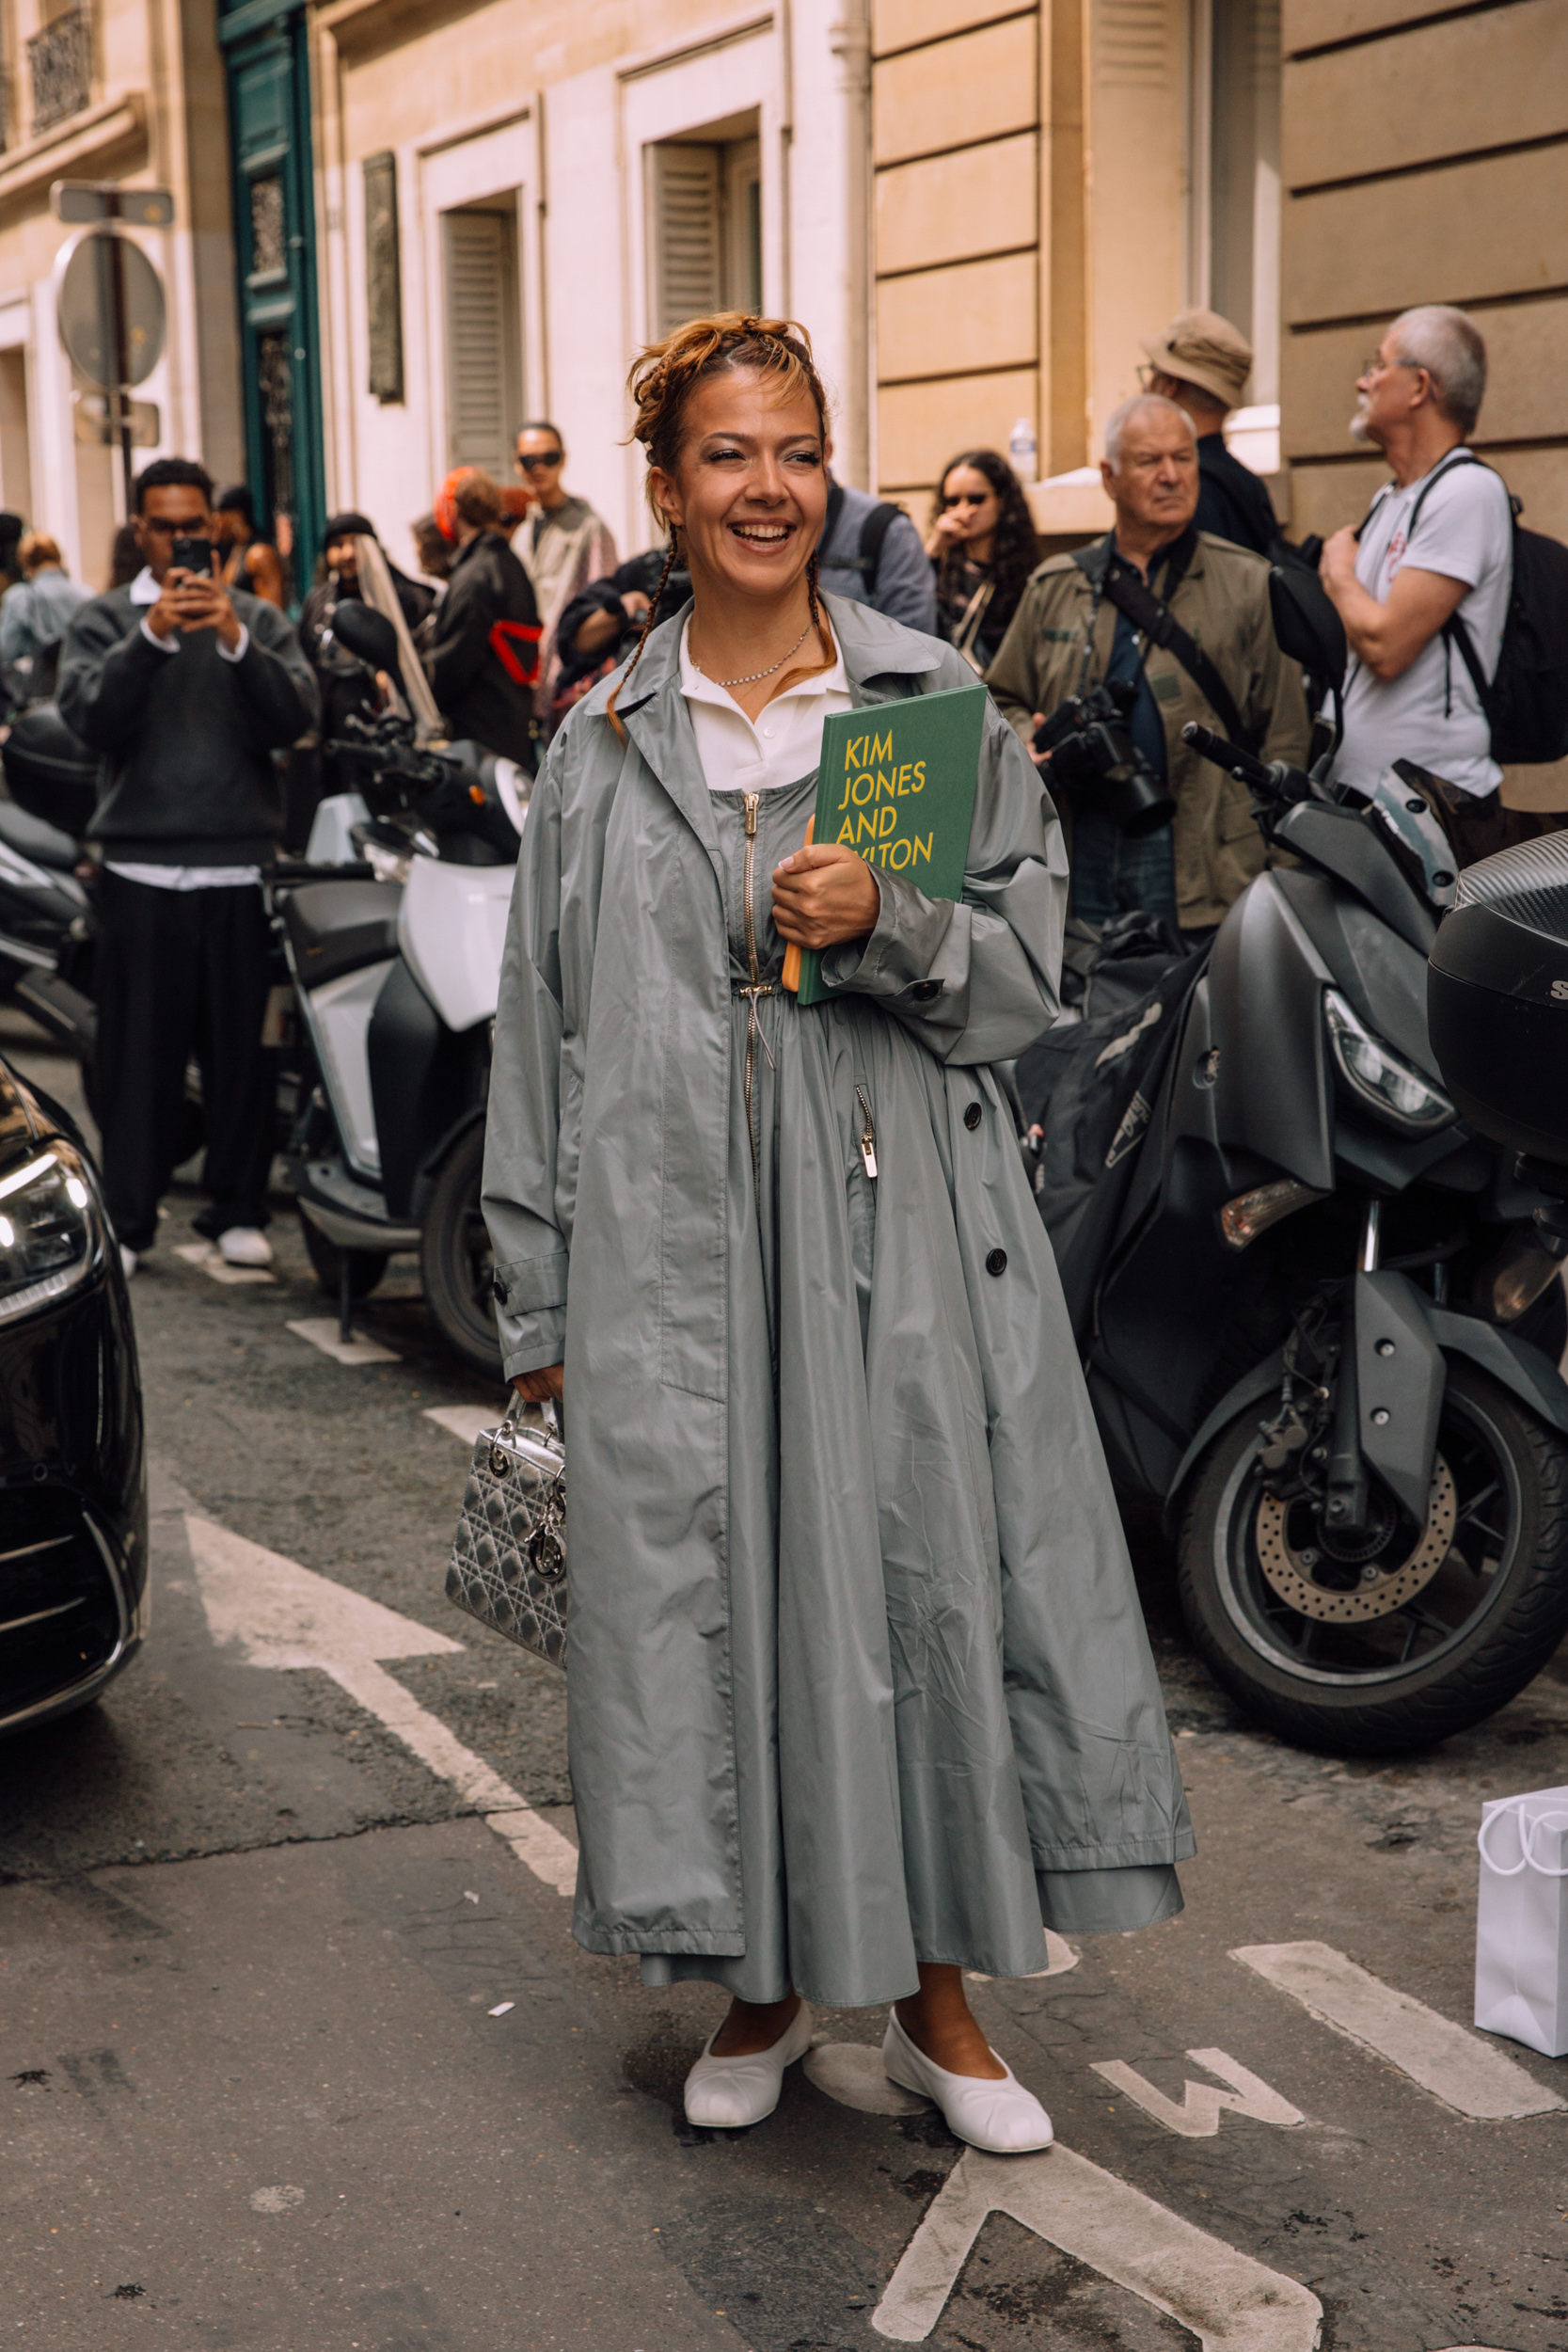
1522, 1921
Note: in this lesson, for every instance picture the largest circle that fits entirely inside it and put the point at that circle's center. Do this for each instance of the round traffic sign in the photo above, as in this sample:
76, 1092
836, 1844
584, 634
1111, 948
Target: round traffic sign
86, 309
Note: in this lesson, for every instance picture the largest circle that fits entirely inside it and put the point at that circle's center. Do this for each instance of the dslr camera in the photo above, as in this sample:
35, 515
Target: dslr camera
1092, 753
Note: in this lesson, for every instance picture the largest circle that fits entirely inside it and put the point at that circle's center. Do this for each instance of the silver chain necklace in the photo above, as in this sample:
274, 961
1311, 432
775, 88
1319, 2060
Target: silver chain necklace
754, 677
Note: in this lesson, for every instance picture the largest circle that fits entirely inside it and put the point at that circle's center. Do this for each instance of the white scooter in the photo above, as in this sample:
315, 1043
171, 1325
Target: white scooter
396, 978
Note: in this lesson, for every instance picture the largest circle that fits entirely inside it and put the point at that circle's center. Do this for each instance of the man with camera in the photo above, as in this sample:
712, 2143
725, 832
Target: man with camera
1155, 625
185, 687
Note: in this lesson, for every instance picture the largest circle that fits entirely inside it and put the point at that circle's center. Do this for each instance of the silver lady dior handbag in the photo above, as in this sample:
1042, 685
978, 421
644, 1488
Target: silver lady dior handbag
508, 1564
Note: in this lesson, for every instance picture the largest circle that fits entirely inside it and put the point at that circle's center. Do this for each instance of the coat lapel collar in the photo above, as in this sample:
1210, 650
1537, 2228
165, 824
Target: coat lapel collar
654, 712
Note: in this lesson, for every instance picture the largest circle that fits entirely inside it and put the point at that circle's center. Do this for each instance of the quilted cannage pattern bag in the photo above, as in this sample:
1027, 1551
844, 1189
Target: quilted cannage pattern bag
508, 1564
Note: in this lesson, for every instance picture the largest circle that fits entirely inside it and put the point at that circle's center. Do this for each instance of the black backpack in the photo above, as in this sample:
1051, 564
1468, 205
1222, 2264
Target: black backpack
1526, 702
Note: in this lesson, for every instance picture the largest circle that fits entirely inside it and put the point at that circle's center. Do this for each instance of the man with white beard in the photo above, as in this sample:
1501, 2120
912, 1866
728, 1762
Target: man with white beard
1433, 556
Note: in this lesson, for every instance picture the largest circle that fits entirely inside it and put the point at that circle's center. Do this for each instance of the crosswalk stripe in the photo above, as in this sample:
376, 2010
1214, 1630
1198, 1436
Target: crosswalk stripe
1463, 2072
1197, 2116
322, 1331
1229, 2302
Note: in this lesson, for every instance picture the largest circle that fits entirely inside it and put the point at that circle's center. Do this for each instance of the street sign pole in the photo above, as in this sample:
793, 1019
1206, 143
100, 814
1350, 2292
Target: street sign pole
123, 370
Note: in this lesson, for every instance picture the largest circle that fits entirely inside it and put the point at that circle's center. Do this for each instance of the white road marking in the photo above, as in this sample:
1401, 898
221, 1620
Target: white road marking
851, 2072
279, 1614
467, 1422
1458, 2067
1228, 2301
1198, 2115
322, 1331
211, 1260
1059, 1958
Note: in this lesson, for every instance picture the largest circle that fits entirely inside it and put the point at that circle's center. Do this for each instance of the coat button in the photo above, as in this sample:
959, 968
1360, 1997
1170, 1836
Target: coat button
996, 1261
972, 1116
498, 1290
924, 990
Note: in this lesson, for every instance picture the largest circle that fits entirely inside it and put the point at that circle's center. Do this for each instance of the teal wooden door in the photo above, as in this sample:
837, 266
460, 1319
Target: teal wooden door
269, 113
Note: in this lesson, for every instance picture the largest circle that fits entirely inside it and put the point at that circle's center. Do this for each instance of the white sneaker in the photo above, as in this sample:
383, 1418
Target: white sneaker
727, 2093
244, 1244
1001, 2118
128, 1260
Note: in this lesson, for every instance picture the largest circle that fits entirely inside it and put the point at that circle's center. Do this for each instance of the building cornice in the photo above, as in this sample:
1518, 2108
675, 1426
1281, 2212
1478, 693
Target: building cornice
112, 122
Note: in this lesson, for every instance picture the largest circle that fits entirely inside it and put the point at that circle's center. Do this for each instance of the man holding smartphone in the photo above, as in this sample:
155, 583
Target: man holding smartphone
185, 687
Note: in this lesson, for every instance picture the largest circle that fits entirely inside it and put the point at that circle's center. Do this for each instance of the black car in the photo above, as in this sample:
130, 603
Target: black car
72, 1461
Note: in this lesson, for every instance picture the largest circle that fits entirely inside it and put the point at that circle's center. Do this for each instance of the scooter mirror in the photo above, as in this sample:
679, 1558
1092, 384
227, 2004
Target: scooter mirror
1308, 628
368, 635
1498, 997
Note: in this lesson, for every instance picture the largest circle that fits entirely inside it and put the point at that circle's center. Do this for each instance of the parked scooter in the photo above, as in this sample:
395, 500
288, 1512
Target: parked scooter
396, 979
1307, 1291
45, 915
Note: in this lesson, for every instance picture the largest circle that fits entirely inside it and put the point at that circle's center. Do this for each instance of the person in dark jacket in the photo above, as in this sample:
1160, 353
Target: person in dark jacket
185, 687
1202, 364
342, 683
603, 620
483, 653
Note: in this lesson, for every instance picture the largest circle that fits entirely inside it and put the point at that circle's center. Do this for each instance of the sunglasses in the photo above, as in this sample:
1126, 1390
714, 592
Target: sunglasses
166, 530
966, 498
541, 465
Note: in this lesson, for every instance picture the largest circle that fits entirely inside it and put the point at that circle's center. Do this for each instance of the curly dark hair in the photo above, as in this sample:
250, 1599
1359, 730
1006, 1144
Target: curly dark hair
1016, 548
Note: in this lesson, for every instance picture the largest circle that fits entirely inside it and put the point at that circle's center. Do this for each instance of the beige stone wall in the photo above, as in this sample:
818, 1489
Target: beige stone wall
154, 115
1029, 225
1419, 162
956, 229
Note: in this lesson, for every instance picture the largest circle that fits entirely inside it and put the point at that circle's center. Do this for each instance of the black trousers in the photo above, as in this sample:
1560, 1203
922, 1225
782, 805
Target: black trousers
181, 972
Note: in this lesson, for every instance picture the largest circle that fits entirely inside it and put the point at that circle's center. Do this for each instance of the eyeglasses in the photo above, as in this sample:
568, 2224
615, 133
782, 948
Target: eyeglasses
542, 463
168, 530
1375, 364
966, 498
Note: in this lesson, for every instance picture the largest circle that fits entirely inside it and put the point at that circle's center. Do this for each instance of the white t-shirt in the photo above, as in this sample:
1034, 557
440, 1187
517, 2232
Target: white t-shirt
782, 744
1432, 713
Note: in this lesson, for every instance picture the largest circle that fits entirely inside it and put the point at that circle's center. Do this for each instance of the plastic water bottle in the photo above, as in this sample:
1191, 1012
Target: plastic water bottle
1022, 449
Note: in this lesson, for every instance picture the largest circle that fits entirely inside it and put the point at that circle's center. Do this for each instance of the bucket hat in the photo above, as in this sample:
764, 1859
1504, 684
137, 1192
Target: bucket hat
1206, 350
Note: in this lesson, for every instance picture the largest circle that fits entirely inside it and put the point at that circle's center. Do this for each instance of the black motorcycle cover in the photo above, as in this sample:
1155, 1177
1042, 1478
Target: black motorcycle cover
1097, 1119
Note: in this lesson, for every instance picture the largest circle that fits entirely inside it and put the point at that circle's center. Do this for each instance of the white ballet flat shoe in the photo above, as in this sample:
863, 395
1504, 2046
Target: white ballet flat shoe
727, 2093
1000, 2118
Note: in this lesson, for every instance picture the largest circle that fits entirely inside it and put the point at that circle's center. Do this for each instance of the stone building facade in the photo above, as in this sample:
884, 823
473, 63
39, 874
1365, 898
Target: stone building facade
454, 214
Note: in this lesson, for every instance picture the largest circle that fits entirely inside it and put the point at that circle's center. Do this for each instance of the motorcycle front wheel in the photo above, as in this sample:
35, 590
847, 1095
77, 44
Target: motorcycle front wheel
456, 1262
1424, 1630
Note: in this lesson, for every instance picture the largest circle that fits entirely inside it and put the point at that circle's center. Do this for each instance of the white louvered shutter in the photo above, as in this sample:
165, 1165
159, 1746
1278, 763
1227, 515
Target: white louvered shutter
479, 371
687, 249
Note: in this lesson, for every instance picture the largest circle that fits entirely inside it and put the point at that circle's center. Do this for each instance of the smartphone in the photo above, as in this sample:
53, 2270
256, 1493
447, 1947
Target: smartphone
192, 555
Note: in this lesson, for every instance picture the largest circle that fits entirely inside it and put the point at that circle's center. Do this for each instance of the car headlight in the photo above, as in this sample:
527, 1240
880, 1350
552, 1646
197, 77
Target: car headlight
1379, 1077
51, 1229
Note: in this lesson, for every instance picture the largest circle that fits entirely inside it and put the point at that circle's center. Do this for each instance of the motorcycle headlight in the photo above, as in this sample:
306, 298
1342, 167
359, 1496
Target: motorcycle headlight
51, 1229
1379, 1077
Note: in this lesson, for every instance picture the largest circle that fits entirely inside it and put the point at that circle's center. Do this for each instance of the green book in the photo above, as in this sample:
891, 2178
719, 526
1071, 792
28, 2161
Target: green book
896, 786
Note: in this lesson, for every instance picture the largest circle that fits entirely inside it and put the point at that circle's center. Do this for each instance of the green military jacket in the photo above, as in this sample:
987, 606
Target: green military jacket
1222, 602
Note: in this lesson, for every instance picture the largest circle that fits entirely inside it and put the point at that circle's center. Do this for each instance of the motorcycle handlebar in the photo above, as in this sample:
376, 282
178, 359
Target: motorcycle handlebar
1226, 755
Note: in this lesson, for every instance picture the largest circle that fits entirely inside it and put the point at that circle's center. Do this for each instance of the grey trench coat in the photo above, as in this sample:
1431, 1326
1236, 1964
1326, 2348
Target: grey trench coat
856, 1674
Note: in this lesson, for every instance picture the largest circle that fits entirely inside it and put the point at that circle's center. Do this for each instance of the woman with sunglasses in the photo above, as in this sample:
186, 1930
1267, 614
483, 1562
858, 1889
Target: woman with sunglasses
983, 547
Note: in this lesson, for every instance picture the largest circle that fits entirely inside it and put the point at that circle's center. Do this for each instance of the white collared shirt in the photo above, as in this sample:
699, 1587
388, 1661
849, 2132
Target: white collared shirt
781, 745
145, 589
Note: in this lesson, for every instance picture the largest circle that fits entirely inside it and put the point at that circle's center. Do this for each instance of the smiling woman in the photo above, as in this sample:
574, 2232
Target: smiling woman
825, 1410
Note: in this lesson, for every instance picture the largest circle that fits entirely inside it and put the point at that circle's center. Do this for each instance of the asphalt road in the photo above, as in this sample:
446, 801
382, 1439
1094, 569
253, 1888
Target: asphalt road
297, 2054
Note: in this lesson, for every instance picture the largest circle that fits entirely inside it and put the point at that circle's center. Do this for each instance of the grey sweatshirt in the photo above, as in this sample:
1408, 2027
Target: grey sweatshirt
187, 776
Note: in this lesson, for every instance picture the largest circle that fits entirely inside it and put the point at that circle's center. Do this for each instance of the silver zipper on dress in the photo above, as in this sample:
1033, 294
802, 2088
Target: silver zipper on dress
757, 985
868, 1137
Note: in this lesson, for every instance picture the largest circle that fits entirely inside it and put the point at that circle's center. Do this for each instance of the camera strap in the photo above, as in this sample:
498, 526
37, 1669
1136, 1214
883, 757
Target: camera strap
1149, 613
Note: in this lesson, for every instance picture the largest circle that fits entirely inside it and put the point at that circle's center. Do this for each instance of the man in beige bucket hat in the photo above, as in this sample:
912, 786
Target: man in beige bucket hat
1202, 362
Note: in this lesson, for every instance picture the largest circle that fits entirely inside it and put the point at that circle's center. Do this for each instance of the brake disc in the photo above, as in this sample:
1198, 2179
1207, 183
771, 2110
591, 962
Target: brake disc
1382, 1590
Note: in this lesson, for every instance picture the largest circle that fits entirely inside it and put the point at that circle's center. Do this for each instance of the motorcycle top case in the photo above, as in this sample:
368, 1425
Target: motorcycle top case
1522, 1921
